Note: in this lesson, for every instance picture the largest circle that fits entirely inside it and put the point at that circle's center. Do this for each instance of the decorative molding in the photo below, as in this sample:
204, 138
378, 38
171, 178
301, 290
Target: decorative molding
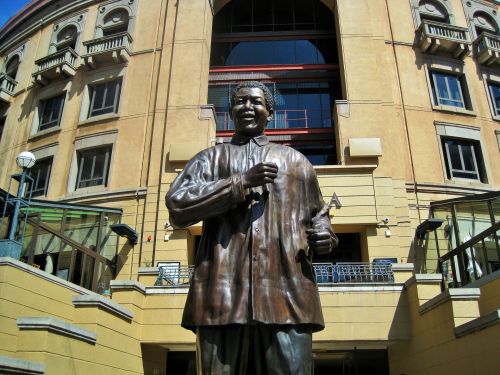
6, 261
461, 294
478, 324
19, 366
56, 326
402, 266
104, 195
104, 304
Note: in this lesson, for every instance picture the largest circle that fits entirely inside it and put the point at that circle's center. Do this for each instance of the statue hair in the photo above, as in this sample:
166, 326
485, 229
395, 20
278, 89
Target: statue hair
251, 84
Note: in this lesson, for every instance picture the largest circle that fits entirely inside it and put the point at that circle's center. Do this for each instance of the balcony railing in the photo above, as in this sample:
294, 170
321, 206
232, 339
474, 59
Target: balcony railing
435, 36
326, 274
112, 47
7, 87
471, 260
286, 119
487, 48
60, 63
7, 84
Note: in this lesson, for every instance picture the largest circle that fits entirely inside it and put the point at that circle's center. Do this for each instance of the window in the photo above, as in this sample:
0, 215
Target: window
67, 38
291, 47
12, 66
115, 22
449, 90
40, 173
93, 167
50, 112
104, 98
495, 97
463, 159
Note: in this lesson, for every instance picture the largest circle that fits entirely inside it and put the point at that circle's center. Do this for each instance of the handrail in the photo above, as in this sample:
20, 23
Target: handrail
462, 253
66, 55
487, 41
7, 83
444, 30
326, 274
108, 43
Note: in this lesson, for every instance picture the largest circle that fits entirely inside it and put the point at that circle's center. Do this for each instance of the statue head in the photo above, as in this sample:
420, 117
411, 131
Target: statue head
252, 107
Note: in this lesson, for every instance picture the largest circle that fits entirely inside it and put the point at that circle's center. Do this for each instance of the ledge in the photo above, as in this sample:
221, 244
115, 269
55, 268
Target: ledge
56, 326
360, 287
19, 366
402, 266
478, 324
148, 271
166, 290
459, 294
103, 194
103, 303
44, 133
345, 168
424, 278
127, 285
452, 109
6, 261
101, 118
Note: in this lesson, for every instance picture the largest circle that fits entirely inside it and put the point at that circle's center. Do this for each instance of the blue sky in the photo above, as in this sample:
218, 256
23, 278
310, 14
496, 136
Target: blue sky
10, 7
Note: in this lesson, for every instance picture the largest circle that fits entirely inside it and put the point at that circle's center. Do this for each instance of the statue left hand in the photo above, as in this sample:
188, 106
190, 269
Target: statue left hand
320, 240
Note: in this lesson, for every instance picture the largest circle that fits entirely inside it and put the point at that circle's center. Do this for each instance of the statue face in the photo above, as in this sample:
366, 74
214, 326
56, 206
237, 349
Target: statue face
249, 111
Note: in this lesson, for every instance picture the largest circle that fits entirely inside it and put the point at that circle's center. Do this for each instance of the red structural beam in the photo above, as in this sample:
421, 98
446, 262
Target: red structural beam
272, 68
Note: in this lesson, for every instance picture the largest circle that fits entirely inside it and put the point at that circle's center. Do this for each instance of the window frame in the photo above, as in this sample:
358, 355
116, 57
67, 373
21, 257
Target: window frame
462, 143
495, 111
36, 178
42, 104
108, 149
463, 133
118, 82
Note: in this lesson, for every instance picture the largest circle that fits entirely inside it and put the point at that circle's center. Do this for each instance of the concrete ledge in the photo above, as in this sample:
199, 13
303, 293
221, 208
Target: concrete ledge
360, 287
424, 278
402, 266
103, 303
127, 285
148, 271
57, 326
18, 366
461, 294
166, 290
5, 261
478, 324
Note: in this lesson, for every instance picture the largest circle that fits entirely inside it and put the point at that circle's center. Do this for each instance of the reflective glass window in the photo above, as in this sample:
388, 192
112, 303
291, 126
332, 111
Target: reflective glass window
50, 112
40, 173
93, 167
104, 98
495, 97
448, 89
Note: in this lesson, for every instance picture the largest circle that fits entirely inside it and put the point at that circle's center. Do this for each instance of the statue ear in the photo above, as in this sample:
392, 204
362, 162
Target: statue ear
271, 114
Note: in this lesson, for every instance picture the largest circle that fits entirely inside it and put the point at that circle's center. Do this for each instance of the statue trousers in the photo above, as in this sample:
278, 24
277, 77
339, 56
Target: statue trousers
254, 349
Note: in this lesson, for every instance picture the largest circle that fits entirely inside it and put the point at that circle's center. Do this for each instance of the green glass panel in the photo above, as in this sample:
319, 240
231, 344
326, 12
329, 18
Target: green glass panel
82, 227
109, 239
472, 219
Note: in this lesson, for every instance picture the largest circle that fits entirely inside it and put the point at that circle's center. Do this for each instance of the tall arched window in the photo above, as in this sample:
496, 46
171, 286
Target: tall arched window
483, 22
67, 37
115, 22
433, 11
12, 66
291, 46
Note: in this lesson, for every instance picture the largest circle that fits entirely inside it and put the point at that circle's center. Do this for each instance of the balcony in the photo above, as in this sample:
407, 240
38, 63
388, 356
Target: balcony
326, 274
7, 88
58, 65
113, 48
487, 49
436, 37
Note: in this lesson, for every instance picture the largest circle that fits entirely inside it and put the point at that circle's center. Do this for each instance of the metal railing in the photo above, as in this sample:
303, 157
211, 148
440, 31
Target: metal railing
353, 273
326, 274
470, 260
108, 43
7, 84
443, 30
487, 41
286, 119
64, 56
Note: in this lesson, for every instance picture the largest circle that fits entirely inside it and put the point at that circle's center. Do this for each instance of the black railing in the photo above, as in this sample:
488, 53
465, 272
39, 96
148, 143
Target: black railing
326, 274
470, 261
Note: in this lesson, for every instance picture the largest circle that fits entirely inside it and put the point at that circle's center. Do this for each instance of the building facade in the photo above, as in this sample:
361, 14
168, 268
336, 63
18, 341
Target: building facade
395, 102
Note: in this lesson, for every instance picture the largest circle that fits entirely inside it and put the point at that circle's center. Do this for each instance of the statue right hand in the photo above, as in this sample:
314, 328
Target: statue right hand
259, 175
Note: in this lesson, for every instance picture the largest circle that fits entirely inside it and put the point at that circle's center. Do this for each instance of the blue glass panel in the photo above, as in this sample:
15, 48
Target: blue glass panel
495, 97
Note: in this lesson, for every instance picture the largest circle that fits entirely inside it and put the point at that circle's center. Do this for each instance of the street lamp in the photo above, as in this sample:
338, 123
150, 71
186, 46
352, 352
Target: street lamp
10, 247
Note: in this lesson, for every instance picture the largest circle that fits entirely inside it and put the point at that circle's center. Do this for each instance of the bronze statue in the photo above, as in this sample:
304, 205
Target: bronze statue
253, 301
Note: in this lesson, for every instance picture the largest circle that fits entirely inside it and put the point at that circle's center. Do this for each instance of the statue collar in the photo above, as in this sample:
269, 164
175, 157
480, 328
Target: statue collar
239, 139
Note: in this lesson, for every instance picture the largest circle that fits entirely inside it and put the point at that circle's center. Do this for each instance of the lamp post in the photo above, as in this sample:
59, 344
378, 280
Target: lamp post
10, 247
